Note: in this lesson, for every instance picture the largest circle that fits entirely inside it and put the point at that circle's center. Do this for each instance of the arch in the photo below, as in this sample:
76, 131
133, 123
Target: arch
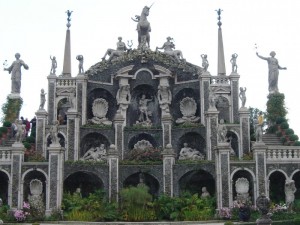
194, 180
276, 180
296, 177
146, 178
223, 106
93, 140
61, 109
233, 139
138, 72
139, 137
4, 186
61, 136
194, 141
88, 182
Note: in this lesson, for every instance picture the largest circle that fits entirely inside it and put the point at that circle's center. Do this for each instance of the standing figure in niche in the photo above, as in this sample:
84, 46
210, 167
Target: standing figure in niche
222, 132
233, 62
205, 63
123, 95
53, 64
243, 96
54, 132
143, 107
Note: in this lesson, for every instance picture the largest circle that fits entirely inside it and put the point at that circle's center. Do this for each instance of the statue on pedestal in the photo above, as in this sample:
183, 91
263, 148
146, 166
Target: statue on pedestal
121, 49
95, 154
205, 63
242, 96
233, 62
80, 65
168, 47
43, 99
188, 153
15, 70
289, 190
53, 65
144, 112
20, 131
222, 132
54, 133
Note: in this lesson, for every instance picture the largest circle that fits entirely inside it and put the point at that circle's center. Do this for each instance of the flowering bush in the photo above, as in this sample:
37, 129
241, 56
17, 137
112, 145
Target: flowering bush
225, 213
148, 154
278, 208
21, 214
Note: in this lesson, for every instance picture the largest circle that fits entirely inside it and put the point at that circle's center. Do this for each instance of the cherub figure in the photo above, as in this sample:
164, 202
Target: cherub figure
205, 63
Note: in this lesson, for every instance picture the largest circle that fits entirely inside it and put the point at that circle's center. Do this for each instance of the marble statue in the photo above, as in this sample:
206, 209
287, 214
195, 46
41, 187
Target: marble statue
95, 154
242, 96
259, 127
233, 62
188, 108
42, 99
242, 189
53, 65
289, 190
20, 131
15, 70
143, 29
164, 97
187, 153
100, 109
36, 198
205, 63
168, 47
54, 133
222, 132
205, 193
123, 95
273, 71
144, 111
80, 65
211, 98
121, 49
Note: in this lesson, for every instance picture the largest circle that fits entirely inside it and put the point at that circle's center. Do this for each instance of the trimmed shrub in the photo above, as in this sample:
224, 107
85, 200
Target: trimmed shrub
297, 143
280, 120
278, 133
283, 139
284, 125
289, 131
293, 137
7, 124
27, 145
3, 130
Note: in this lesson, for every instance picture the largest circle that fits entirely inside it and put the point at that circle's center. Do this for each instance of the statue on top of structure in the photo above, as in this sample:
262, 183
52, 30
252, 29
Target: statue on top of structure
121, 49
53, 65
168, 47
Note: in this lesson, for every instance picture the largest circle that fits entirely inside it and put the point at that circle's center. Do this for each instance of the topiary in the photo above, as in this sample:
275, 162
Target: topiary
293, 137
283, 139
279, 120
284, 125
297, 143
278, 133
7, 124
27, 145
289, 131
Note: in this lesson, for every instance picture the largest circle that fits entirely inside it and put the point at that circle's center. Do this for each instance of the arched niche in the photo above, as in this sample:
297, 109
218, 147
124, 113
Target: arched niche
4, 185
296, 178
133, 111
246, 174
31, 175
87, 183
92, 140
194, 141
234, 142
142, 136
183, 93
147, 179
61, 137
105, 94
276, 187
193, 182
62, 107
222, 105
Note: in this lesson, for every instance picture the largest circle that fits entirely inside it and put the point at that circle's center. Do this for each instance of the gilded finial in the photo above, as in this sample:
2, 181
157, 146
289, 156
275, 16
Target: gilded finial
219, 17
69, 18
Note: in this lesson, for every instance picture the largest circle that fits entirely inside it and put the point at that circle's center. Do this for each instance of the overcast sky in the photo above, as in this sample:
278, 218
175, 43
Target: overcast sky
36, 29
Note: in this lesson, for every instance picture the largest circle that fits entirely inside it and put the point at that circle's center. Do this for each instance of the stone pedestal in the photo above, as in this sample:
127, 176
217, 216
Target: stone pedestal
223, 174
113, 163
234, 83
119, 134
55, 177
259, 154
168, 163
51, 97
244, 131
166, 122
211, 123
17, 157
41, 121
73, 124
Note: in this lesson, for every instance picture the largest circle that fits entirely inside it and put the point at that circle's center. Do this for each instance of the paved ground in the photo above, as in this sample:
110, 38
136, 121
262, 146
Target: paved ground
126, 223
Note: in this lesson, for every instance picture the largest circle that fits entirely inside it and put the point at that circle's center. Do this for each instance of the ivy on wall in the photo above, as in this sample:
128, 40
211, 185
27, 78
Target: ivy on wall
11, 109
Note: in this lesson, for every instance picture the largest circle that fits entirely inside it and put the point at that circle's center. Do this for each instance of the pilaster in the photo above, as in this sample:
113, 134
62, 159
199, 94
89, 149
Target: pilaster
204, 93
41, 121
244, 131
166, 128
51, 97
119, 134
234, 83
211, 123
168, 174
113, 163
81, 87
73, 124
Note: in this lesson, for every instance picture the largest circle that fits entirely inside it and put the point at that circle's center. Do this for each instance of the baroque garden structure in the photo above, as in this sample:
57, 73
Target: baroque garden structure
137, 103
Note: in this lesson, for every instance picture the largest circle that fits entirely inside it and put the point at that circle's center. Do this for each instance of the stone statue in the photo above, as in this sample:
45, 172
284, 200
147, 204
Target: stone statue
15, 70
211, 98
144, 112
289, 190
188, 108
95, 154
121, 49
123, 95
233, 62
164, 97
100, 109
143, 29
222, 132
168, 49
54, 132
187, 153
259, 127
20, 131
242, 96
36, 198
53, 65
205, 63
43, 99
205, 193
242, 189
80, 65
273, 71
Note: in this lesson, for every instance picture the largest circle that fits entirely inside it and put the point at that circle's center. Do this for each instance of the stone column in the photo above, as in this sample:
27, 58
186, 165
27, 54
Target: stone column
204, 93
119, 134
55, 177
41, 121
113, 182
168, 163
259, 153
17, 158
166, 128
244, 131
51, 97
73, 124
211, 123
223, 174
234, 82
81, 86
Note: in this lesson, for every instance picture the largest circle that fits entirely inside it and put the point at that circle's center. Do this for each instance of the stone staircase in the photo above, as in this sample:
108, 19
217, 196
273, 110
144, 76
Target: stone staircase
7, 143
271, 139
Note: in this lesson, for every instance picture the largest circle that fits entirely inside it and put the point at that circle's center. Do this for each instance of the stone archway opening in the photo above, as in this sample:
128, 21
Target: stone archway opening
239, 175
85, 182
35, 174
296, 178
276, 187
4, 185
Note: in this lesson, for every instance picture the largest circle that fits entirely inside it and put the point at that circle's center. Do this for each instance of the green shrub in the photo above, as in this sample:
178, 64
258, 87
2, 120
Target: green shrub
3, 130
27, 145
283, 139
271, 129
284, 125
279, 120
30, 139
289, 131
7, 124
228, 223
278, 133
297, 143
293, 137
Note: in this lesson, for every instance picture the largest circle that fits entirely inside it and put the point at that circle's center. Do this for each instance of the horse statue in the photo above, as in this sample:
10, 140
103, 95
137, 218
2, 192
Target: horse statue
143, 29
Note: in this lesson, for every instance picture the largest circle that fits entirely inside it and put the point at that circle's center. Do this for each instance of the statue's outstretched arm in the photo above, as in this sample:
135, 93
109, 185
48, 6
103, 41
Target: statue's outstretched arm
259, 56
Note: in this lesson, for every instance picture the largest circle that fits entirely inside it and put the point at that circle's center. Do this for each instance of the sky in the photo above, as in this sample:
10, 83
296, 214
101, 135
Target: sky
37, 29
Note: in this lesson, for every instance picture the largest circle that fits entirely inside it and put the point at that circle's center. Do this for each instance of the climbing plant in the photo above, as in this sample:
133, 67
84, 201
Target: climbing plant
11, 109
275, 107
